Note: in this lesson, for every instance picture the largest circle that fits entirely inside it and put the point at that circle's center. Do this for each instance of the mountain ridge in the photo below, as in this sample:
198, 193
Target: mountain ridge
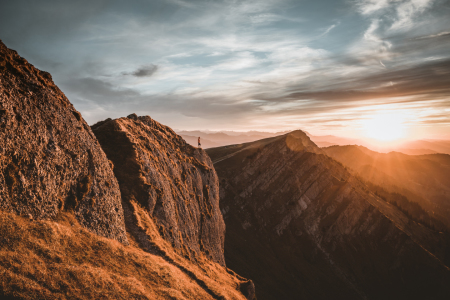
309, 217
421, 178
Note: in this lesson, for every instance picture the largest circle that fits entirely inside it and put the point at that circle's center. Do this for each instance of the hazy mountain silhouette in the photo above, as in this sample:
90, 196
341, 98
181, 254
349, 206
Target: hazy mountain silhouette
217, 139
422, 179
223, 138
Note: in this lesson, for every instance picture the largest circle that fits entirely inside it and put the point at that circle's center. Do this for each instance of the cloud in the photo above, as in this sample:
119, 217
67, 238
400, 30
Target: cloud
408, 11
98, 91
428, 81
244, 63
240, 60
444, 34
328, 30
367, 7
401, 14
144, 71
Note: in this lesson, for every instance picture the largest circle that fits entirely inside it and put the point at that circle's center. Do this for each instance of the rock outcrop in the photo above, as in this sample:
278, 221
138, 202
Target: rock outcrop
61, 206
50, 161
172, 181
302, 227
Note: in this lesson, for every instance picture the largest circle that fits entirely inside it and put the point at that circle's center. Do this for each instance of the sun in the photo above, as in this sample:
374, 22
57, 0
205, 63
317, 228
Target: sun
385, 126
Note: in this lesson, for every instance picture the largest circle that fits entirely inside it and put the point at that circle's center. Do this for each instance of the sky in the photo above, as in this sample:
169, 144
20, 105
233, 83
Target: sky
327, 67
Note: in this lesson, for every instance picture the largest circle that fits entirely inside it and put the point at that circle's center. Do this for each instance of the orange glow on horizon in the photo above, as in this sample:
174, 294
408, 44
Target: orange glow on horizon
386, 126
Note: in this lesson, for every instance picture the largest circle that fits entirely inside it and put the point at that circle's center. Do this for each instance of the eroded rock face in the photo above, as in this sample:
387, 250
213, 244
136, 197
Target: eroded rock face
307, 229
49, 158
172, 180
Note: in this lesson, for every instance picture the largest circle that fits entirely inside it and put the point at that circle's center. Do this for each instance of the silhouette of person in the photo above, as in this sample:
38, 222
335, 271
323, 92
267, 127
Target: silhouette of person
199, 145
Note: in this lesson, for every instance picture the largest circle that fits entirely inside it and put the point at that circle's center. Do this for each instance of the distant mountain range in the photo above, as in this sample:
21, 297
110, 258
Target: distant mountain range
421, 179
223, 138
211, 139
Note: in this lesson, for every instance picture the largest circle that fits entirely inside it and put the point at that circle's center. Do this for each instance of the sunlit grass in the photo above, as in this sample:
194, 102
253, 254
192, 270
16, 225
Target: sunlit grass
62, 260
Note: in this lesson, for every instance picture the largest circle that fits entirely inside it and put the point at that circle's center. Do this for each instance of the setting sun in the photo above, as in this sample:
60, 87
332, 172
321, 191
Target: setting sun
386, 126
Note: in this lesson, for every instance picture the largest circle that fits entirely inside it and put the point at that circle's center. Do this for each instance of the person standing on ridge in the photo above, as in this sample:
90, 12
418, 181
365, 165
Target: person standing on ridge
199, 145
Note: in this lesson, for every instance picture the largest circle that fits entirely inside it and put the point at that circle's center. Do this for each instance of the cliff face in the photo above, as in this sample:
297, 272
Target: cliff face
50, 161
307, 229
172, 181
58, 193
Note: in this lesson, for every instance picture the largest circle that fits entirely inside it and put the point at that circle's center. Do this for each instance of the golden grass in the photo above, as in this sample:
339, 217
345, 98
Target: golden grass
216, 278
62, 260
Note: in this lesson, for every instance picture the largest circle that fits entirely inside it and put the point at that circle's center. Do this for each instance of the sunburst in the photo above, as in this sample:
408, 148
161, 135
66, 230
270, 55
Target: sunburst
385, 126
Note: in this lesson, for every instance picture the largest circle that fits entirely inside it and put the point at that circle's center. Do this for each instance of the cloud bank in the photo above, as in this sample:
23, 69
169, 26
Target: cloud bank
256, 64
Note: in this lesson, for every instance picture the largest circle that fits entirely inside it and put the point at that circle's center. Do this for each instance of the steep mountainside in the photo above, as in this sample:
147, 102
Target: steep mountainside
421, 178
173, 181
49, 159
302, 227
62, 227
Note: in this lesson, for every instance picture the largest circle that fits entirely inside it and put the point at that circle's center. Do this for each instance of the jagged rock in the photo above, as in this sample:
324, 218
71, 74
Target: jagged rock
247, 288
52, 167
174, 182
49, 159
302, 227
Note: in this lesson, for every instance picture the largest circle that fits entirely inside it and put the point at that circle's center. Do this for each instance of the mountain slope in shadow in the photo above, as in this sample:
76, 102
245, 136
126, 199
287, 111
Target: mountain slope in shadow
302, 227
423, 179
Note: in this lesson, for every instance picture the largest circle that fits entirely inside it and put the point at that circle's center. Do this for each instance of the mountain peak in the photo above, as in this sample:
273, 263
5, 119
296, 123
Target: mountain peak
299, 141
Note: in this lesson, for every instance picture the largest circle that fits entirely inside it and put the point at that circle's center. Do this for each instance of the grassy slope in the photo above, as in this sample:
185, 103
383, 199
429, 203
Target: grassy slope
62, 260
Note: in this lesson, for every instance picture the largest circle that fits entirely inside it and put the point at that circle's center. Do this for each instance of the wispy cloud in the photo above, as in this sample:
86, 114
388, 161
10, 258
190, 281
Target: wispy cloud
328, 30
144, 71
408, 11
367, 7
238, 64
445, 34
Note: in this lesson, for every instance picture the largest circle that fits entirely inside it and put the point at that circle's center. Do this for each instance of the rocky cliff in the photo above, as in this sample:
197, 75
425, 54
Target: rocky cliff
302, 227
61, 206
50, 161
174, 182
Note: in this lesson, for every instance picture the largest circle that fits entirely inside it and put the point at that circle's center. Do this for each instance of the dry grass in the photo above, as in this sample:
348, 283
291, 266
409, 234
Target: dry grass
213, 276
62, 260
